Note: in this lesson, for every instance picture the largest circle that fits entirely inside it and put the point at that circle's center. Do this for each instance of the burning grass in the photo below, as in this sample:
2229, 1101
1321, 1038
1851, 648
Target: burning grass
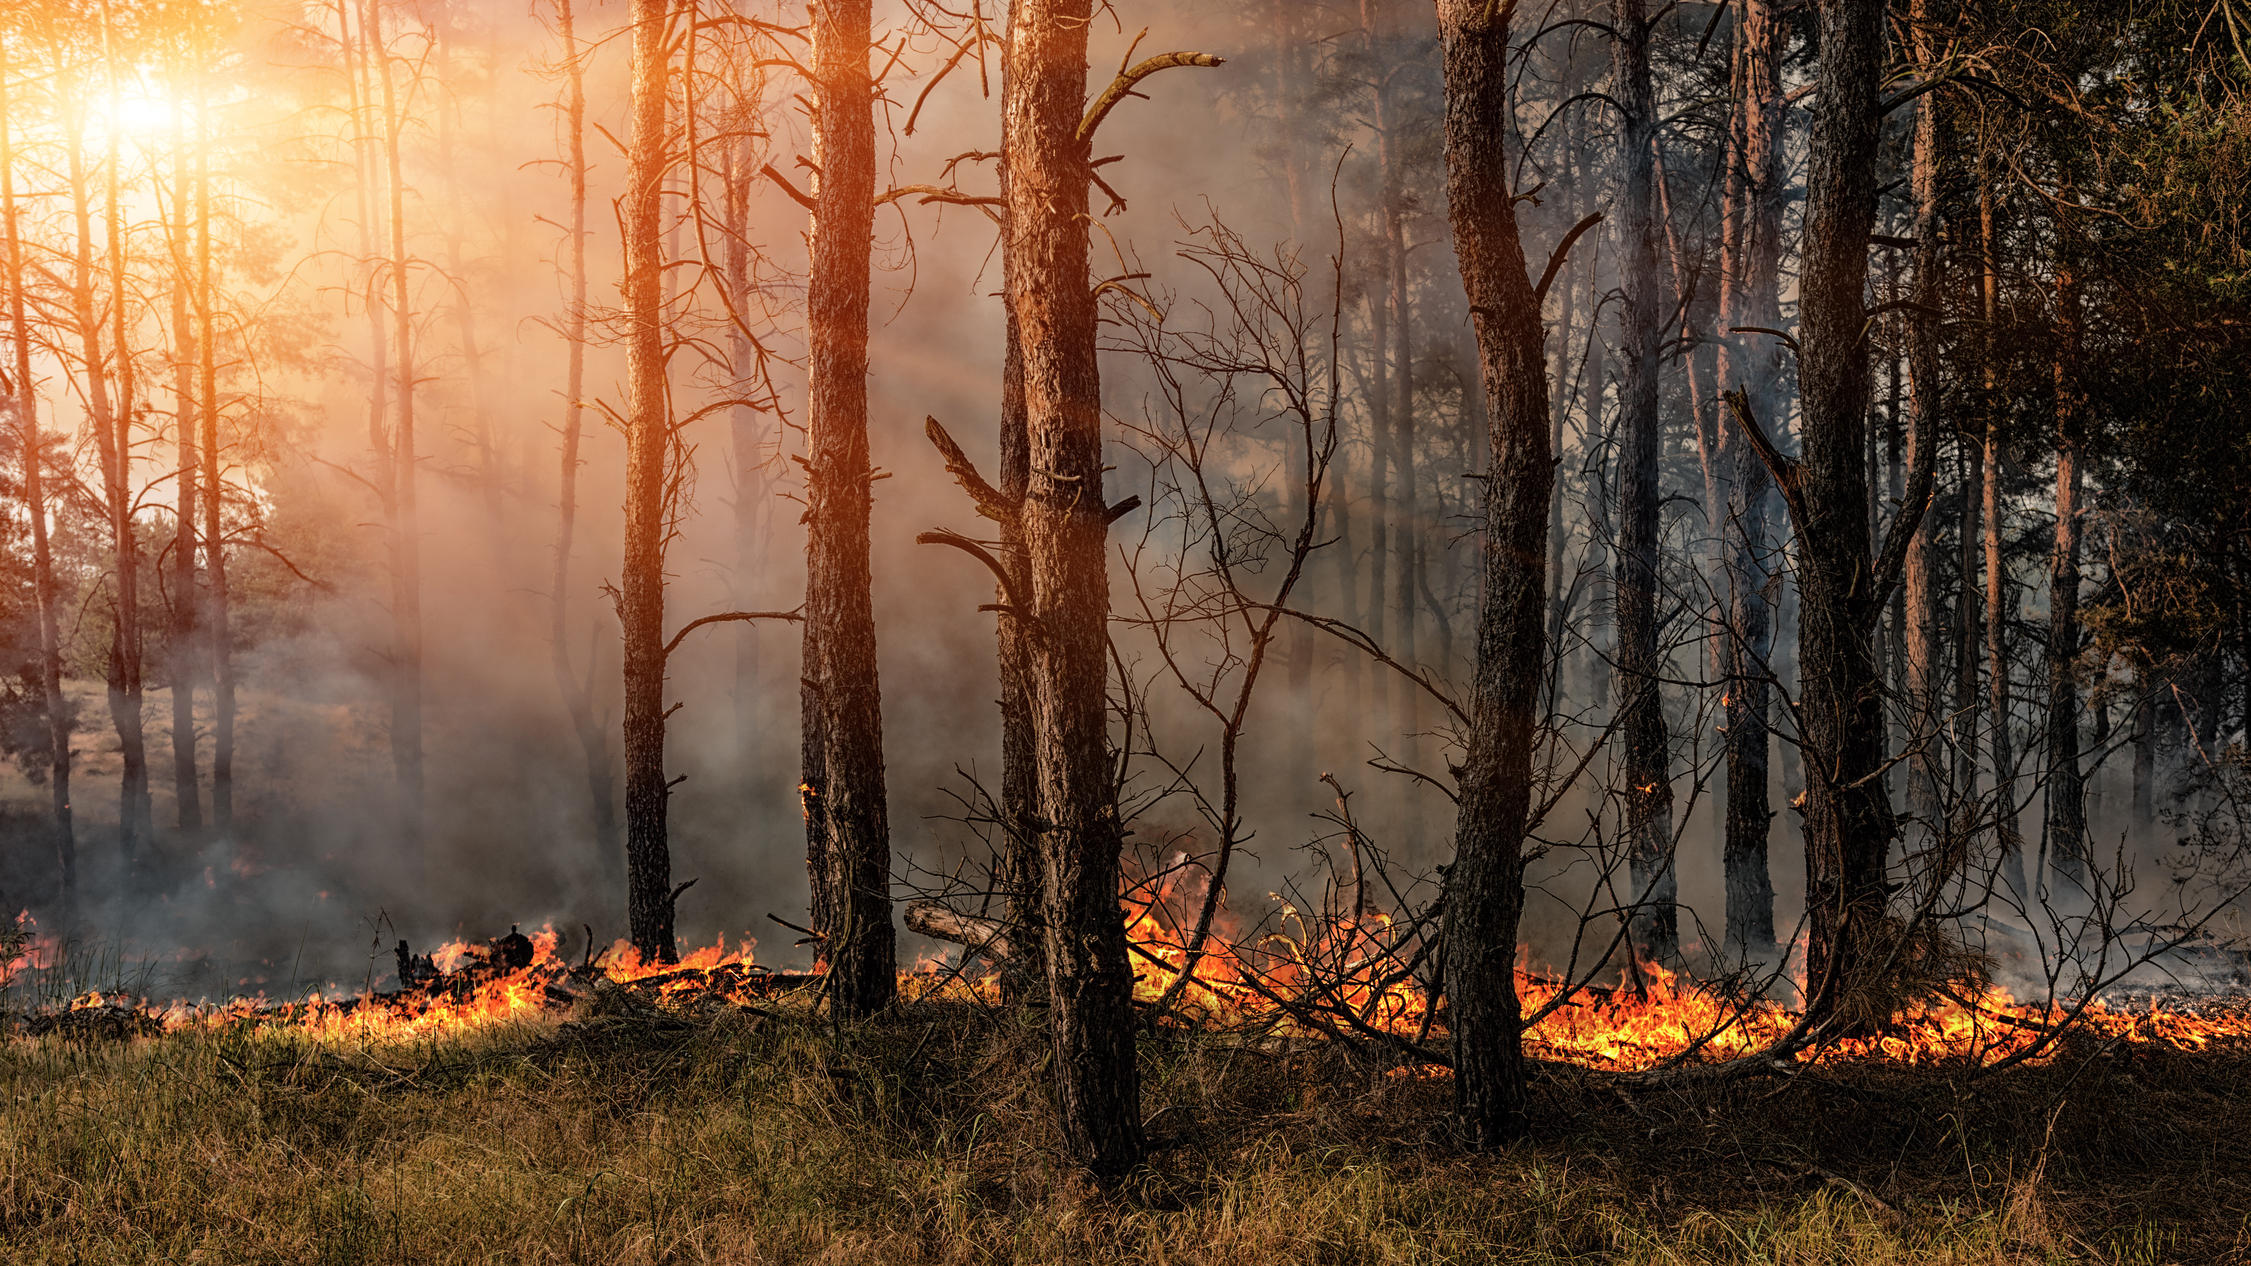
509, 1104
663, 1130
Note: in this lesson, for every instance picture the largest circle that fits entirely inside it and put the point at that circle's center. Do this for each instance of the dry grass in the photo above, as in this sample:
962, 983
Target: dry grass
629, 1138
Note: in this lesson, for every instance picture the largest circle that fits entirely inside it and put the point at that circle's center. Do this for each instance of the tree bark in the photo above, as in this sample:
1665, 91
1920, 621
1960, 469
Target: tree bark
216, 623
1919, 614
1849, 823
44, 594
181, 660
406, 543
1751, 298
847, 828
113, 442
1019, 756
1997, 607
578, 695
1090, 983
648, 444
1648, 790
1485, 887
2067, 782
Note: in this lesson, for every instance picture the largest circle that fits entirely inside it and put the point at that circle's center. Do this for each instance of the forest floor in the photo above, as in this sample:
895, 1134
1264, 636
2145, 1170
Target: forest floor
639, 1136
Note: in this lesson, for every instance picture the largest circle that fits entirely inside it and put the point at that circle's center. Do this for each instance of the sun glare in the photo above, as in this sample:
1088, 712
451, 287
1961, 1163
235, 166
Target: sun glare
141, 111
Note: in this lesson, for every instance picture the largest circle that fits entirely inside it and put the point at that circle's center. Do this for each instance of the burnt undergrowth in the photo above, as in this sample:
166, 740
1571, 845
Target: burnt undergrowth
639, 1133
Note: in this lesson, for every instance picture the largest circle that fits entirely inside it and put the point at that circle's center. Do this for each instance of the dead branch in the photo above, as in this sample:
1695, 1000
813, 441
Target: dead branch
725, 617
1123, 86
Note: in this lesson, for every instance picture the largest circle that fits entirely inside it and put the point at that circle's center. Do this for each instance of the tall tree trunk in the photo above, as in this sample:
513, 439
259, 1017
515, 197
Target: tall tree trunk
2067, 781
182, 663
1485, 887
1019, 755
26, 402
748, 438
1090, 983
1969, 630
1379, 498
1406, 507
1919, 614
2145, 750
406, 543
113, 442
1648, 791
1751, 363
1843, 588
648, 444
1998, 610
847, 826
578, 695
216, 617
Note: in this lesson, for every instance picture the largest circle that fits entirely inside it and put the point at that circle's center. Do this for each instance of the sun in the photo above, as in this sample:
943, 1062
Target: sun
140, 111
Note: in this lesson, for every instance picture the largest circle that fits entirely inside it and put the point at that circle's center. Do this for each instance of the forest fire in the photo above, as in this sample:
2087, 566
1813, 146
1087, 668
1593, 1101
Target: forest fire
1336, 977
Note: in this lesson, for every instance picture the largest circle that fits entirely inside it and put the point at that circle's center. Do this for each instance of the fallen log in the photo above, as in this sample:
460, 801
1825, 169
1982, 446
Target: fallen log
941, 922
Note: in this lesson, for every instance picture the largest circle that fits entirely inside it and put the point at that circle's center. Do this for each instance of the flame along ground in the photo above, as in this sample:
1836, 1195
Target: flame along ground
1343, 973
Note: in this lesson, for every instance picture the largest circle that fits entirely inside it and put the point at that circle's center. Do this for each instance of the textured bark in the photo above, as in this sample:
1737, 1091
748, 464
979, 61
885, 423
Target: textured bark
406, 543
1485, 886
2067, 781
577, 694
1750, 363
1849, 824
1648, 789
648, 445
1918, 592
847, 828
1090, 984
44, 595
1019, 757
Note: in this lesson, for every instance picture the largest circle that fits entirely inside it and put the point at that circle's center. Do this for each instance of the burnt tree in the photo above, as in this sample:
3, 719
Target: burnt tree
648, 445
1750, 300
1844, 586
1485, 887
1648, 790
847, 828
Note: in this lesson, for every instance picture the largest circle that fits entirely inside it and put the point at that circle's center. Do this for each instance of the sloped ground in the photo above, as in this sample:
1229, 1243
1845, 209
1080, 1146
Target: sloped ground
645, 1136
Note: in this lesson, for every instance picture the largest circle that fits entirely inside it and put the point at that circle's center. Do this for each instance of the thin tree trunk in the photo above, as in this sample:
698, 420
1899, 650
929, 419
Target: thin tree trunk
1997, 606
1919, 598
594, 745
847, 824
113, 442
2067, 786
1750, 277
406, 543
748, 439
648, 444
1485, 886
1090, 983
1648, 790
2145, 751
182, 663
35, 508
216, 618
